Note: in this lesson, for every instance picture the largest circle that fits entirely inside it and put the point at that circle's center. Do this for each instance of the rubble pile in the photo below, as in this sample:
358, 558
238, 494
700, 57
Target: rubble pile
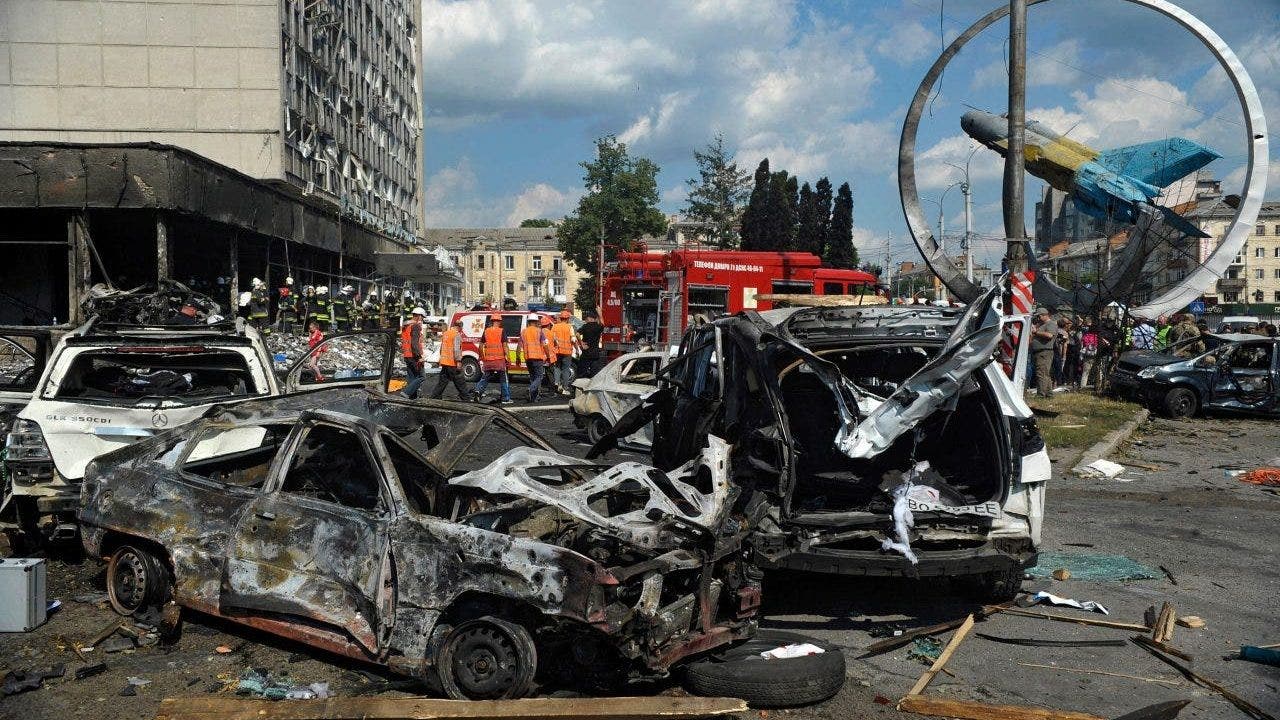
359, 354
144, 305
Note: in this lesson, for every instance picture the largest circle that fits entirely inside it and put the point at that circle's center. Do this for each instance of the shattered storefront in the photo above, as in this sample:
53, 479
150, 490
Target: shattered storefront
128, 214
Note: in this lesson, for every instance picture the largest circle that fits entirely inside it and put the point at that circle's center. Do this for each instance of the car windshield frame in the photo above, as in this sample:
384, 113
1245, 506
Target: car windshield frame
257, 385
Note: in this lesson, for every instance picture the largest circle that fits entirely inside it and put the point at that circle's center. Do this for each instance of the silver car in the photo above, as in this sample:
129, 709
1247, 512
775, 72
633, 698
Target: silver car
618, 388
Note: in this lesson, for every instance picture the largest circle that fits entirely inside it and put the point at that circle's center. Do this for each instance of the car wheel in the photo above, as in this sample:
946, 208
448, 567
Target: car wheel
137, 581
1180, 402
992, 587
597, 427
740, 672
487, 659
470, 369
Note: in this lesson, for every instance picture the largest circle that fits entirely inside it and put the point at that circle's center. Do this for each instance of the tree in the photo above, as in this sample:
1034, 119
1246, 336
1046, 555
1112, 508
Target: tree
822, 215
620, 207
872, 268
810, 228
537, 223
756, 218
791, 212
717, 194
840, 250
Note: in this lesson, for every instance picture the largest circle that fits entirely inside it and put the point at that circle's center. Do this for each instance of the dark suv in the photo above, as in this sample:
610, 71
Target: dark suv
1236, 373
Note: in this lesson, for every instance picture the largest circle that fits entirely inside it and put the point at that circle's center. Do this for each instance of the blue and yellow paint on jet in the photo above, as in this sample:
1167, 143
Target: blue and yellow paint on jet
1111, 184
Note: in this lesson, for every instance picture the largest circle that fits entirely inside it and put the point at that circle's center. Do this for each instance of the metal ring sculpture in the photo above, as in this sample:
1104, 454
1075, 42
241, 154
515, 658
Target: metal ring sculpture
1125, 271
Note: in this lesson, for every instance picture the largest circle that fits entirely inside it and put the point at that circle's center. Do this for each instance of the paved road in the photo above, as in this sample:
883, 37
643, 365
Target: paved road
1216, 534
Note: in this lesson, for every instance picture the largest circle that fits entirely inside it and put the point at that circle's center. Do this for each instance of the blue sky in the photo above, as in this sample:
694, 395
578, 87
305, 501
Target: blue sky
516, 91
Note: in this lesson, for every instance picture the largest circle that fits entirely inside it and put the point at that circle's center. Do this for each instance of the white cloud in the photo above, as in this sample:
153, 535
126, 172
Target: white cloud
1055, 65
453, 180
908, 42
542, 201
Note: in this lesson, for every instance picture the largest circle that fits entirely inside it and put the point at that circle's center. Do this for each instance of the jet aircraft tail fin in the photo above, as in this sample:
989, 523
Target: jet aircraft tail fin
1160, 162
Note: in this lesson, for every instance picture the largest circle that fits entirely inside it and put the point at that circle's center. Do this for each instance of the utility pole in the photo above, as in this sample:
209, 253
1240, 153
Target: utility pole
1014, 207
888, 266
968, 228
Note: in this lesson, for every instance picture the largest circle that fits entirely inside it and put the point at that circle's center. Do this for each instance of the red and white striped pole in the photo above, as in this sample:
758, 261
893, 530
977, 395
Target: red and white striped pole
1021, 302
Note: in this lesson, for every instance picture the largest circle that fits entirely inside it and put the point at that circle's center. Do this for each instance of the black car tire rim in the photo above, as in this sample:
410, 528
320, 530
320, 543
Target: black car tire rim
598, 427
129, 581
488, 659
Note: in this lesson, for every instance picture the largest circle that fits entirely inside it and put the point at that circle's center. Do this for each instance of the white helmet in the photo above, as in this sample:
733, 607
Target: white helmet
419, 311
323, 290
348, 289
288, 281
245, 297
257, 283
387, 293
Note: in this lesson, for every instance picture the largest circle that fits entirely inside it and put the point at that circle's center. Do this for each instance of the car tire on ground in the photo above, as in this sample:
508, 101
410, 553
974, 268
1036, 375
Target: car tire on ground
1181, 402
137, 580
487, 659
597, 427
470, 369
740, 672
992, 587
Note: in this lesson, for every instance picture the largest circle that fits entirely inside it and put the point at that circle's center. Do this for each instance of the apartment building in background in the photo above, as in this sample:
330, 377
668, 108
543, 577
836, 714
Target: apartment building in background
517, 265
1251, 283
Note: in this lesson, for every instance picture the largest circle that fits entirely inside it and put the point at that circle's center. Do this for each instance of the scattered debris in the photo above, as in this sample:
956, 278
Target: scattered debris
1043, 597
1191, 621
144, 305
91, 598
906, 637
89, 671
1061, 574
1078, 620
1163, 647
970, 710
1101, 672
1142, 465
1266, 656
1269, 476
903, 521
385, 708
1079, 544
943, 657
1162, 628
116, 644
793, 650
259, 683
1100, 469
1168, 573
925, 649
19, 681
1041, 642
1245, 706
222, 649
1090, 566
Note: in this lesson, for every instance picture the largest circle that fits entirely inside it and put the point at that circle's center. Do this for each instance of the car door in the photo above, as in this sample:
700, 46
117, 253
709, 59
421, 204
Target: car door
364, 357
315, 544
1245, 377
636, 379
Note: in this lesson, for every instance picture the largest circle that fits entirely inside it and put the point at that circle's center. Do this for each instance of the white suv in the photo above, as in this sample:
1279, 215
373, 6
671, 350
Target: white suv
107, 386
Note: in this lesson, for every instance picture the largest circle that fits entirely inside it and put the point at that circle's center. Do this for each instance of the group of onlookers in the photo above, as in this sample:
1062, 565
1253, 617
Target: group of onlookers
1076, 351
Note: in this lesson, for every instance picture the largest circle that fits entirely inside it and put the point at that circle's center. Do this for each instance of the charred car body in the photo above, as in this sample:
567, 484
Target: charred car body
890, 441
1234, 373
371, 528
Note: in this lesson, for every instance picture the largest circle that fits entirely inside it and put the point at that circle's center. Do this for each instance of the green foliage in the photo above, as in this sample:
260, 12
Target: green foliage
620, 207
757, 217
537, 223
717, 194
840, 252
822, 203
811, 226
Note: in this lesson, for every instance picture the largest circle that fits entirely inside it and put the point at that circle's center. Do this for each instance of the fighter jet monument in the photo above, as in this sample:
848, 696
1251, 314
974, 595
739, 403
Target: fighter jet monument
1119, 184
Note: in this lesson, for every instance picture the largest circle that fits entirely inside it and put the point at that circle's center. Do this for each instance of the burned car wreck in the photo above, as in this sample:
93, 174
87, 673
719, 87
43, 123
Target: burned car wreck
384, 530
888, 439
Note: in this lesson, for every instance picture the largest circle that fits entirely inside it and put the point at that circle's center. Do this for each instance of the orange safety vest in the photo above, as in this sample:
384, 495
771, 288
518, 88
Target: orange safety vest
562, 335
446, 348
495, 345
406, 341
533, 349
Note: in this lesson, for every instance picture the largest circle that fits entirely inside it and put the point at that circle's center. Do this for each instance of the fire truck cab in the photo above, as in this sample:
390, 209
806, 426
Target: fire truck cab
473, 324
654, 295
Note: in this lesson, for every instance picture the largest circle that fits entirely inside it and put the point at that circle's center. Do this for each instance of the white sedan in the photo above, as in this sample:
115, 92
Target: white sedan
599, 401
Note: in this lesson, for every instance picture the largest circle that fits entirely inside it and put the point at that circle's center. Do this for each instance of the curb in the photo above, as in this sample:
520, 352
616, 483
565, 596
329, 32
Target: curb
1108, 444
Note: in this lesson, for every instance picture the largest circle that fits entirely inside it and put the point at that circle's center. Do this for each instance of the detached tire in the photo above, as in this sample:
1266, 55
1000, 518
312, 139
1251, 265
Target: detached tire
740, 672
1180, 403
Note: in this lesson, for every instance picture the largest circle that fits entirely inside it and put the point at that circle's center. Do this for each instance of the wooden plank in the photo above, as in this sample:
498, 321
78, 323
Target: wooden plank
1100, 672
969, 710
1243, 705
1078, 620
422, 708
824, 300
898, 641
1163, 647
943, 657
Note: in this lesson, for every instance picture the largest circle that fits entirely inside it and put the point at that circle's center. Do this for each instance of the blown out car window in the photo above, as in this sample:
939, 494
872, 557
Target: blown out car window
331, 465
127, 376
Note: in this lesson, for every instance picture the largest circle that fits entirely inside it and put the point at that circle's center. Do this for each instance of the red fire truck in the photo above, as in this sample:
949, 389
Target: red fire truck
641, 289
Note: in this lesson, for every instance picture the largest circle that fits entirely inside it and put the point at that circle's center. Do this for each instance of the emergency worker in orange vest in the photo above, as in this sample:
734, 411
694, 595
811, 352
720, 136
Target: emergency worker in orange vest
412, 349
450, 354
564, 340
548, 377
493, 359
535, 345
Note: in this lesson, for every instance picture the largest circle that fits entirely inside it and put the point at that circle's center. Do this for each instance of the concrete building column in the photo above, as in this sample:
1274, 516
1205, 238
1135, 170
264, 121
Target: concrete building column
79, 268
164, 261
233, 282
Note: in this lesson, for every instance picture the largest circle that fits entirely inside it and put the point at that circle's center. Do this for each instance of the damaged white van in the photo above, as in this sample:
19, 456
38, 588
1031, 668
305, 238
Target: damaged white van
894, 442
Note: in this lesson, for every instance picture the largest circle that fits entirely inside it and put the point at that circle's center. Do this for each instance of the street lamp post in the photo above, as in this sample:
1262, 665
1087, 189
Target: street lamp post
966, 187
